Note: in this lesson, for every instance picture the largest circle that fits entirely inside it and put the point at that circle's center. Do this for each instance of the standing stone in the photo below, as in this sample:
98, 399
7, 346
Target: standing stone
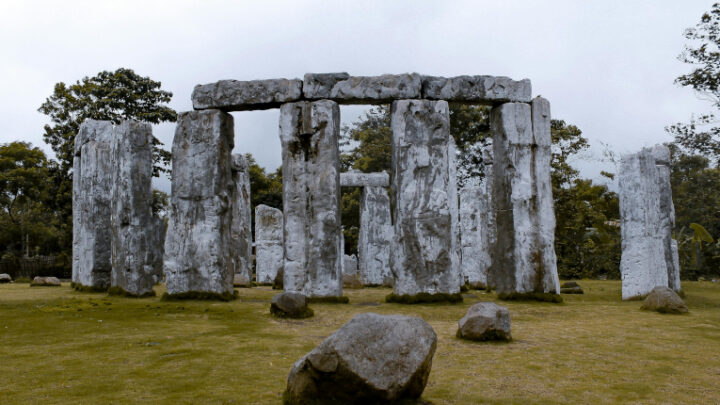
133, 232
350, 265
92, 171
375, 236
240, 231
268, 243
197, 245
647, 218
454, 204
425, 250
309, 134
158, 246
524, 262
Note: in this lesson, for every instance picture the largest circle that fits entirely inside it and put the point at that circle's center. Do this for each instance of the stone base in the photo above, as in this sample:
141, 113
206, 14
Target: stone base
328, 300
531, 296
424, 298
87, 288
119, 291
308, 313
200, 295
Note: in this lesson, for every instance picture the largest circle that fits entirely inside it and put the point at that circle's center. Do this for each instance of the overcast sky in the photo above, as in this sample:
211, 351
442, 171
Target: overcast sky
606, 66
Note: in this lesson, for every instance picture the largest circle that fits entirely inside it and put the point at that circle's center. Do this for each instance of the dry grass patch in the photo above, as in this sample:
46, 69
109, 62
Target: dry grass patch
60, 346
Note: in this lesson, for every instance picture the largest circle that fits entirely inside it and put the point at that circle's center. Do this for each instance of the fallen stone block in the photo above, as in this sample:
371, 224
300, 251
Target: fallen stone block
45, 282
372, 359
485, 321
235, 95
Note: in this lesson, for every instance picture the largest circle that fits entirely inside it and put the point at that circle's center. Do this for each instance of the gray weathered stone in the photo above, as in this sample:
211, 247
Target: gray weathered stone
235, 95
485, 321
523, 260
476, 89
674, 275
92, 172
474, 233
45, 282
5, 278
360, 179
647, 218
425, 256
375, 236
350, 265
664, 300
240, 230
131, 219
290, 305
346, 89
370, 360
158, 246
268, 243
197, 245
311, 198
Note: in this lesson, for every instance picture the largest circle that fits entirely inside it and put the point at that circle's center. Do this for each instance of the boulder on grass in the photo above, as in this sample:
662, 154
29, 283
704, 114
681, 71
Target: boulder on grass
45, 282
485, 321
665, 301
290, 305
5, 278
350, 281
373, 359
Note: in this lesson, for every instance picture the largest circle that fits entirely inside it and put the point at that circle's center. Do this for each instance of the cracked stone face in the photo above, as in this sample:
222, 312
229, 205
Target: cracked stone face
647, 217
92, 180
523, 259
235, 95
198, 244
361, 89
309, 134
241, 233
425, 257
132, 222
375, 236
268, 243
476, 89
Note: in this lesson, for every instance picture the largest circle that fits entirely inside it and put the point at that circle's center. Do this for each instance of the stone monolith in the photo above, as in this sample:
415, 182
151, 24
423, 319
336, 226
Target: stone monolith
92, 172
375, 236
240, 230
197, 244
425, 260
523, 259
268, 243
131, 219
647, 218
309, 134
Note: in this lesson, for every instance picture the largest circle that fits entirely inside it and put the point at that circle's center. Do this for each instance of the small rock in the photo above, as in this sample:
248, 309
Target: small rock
290, 305
5, 278
572, 290
569, 284
485, 321
665, 301
45, 282
372, 359
278, 283
240, 280
351, 282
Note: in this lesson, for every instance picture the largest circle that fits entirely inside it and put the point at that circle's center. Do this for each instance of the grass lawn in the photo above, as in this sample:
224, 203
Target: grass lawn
58, 346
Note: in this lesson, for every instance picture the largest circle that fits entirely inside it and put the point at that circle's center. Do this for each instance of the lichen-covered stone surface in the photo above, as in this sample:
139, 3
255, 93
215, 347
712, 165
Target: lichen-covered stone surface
235, 95
158, 246
347, 89
350, 265
474, 233
485, 321
268, 243
131, 220
240, 230
372, 359
647, 218
197, 244
425, 258
360, 179
495, 89
92, 181
375, 236
309, 134
523, 260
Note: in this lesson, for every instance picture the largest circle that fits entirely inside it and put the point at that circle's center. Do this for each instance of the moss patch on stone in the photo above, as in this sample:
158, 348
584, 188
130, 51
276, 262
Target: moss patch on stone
424, 298
121, 292
531, 296
200, 295
328, 300
87, 288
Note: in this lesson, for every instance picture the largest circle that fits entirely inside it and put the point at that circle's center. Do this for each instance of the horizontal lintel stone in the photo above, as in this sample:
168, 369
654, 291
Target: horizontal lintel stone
236, 95
357, 179
480, 89
345, 89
